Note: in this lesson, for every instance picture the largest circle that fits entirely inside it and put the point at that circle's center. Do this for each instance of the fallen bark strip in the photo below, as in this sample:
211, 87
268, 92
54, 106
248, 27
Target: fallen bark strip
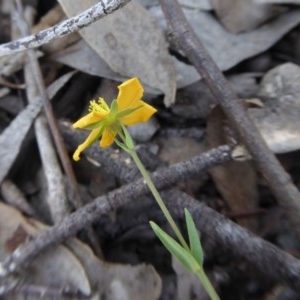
102, 205
56, 197
278, 180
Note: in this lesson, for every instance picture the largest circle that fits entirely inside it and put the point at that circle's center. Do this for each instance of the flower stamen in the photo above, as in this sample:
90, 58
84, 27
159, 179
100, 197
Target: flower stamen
101, 106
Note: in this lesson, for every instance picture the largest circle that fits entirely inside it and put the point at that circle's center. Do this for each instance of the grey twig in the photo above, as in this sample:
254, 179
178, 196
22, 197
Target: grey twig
91, 15
279, 181
104, 204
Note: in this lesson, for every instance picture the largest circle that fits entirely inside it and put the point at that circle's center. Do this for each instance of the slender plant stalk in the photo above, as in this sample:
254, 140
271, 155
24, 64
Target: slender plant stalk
207, 284
128, 146
158, 198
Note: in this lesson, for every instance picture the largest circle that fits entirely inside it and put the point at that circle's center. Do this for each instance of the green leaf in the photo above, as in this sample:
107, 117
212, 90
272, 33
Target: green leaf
195, 244
183, 256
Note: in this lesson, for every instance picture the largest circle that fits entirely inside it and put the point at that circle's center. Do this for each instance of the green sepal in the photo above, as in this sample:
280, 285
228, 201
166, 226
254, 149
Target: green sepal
184, 257
94, 125
195, 244
114, 107
126, 112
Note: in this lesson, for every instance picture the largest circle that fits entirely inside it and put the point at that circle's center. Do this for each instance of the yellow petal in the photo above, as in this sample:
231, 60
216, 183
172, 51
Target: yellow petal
89, 119
90, 140
107, 138
130, 92
142, 114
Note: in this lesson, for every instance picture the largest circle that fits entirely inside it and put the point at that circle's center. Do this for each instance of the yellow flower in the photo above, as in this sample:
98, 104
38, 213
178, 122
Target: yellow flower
106, 122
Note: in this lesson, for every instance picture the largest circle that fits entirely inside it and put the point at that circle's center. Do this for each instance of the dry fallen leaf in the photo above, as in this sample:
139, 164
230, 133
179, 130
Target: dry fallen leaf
198, 4
74, 266
235, 180
56, 267
12, 137
131, 43
279, 1
82, 57
228, 49
113, 281
279, 119
244, 15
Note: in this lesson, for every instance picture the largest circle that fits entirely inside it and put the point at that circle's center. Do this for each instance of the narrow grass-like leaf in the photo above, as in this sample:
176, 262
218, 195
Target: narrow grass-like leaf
128, 138
121, 145
183, 256
194, 239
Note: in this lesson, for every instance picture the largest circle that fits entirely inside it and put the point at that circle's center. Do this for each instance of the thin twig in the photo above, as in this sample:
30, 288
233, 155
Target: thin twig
63, 155
105, 204
60, 209
279, 181
91, 15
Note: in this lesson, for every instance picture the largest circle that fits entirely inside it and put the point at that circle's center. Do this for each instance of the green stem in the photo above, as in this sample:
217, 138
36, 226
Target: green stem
207, 285
128, 146
158, 198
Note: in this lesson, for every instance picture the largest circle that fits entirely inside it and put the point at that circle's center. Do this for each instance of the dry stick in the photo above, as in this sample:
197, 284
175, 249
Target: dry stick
279, 181
62, 152
105, 204
91, 15
59, 143
56, 197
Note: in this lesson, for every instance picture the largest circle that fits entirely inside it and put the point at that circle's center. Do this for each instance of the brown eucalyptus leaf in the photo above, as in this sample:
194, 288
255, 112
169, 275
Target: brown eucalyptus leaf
131, 43
55, 267
279, 119
235, 180
244, 15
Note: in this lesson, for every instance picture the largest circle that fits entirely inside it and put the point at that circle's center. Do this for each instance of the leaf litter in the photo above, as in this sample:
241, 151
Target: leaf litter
135, 42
